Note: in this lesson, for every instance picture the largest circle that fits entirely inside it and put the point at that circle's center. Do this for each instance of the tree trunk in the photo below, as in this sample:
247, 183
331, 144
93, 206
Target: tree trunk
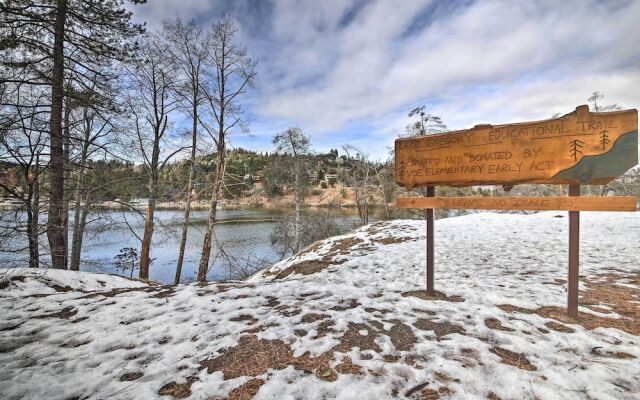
33, 241
76, 251
365, 220
31, 234
145, 250
211, 220
76, 241
384, 195
78, 209
32, 209
55, 223
361, 203
386, 205
145, 259
187, 206
34, 234
185, 228
66, 150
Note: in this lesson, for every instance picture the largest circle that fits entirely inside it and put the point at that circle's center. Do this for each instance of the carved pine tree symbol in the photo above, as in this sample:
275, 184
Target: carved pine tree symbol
604, 139
403, 167
575, 148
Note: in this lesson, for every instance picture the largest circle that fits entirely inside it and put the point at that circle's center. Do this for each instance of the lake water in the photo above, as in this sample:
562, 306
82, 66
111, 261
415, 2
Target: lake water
242, 240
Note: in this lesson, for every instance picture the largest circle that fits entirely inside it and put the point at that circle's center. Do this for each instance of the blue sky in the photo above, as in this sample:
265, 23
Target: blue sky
350, 71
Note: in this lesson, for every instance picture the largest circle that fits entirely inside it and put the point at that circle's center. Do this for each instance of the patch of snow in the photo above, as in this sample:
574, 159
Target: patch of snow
27, 281
83, 342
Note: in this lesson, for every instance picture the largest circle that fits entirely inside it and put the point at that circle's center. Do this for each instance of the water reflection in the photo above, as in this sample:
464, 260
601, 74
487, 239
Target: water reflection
245, 235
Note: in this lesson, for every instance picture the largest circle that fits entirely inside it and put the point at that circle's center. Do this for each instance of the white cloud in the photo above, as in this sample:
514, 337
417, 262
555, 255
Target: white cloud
490, 61
489, 43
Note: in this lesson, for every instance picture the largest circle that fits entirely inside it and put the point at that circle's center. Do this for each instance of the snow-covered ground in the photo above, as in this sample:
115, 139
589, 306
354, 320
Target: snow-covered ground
347, 319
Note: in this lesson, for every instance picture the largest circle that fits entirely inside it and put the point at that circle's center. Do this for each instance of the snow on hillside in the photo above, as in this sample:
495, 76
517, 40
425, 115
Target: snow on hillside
25, 282
347, 318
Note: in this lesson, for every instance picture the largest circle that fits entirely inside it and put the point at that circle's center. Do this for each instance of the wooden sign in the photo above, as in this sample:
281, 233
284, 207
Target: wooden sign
579, 148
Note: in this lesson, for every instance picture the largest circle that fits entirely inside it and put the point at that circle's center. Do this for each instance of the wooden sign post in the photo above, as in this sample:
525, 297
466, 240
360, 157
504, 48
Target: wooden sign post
580, 148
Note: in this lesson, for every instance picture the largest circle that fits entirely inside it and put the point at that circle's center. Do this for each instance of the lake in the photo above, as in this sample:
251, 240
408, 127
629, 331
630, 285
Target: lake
249, 241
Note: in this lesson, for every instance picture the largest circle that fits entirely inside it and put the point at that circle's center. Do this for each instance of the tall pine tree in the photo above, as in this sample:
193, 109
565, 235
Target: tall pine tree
50, 43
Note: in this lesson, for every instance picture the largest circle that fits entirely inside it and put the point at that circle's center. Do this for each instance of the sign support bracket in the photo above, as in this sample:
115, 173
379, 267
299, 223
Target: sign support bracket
429, 216
574, 256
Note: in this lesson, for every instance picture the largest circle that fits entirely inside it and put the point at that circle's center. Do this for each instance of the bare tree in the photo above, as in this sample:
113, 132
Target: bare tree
596, 97
426, 123
314, 226
150, 103
189, 52
359, 179
293, 141
385, 175
232, 72
24, 146
95, 126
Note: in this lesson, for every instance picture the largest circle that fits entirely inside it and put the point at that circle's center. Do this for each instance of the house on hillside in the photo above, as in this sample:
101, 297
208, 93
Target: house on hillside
331, 178
139, 202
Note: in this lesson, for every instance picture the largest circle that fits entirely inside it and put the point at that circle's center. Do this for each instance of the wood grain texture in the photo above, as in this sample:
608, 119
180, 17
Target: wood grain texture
581, 147
609, 203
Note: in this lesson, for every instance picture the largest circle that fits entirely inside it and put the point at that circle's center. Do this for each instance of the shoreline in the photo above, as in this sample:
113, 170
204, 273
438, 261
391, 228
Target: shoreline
203, 206
341, 198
